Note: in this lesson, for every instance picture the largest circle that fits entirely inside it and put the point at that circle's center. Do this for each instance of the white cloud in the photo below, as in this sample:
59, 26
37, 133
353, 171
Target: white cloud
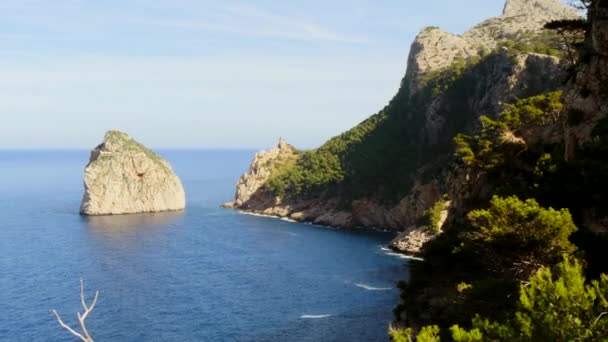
249, 21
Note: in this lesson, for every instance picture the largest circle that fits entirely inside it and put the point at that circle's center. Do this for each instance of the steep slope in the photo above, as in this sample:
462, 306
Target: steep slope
543, 157
393, 166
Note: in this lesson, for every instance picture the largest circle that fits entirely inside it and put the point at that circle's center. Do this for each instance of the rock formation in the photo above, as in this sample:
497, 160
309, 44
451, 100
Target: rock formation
500, 77
260, 171
434, 48
412, 240
124, 177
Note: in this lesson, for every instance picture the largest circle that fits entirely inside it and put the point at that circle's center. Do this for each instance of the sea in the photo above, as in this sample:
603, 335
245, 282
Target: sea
202, 274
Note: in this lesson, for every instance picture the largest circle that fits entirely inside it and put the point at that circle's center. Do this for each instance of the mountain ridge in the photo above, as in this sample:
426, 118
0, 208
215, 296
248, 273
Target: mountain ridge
419, 121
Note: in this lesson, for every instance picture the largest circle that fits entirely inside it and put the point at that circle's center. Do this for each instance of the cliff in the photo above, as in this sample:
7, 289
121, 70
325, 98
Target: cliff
549, 150
388, 170
490, 161
124, 177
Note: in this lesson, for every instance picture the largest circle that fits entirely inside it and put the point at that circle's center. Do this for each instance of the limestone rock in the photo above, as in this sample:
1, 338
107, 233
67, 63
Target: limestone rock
260, 171
124, 177
434, 49
539, 7
413, 239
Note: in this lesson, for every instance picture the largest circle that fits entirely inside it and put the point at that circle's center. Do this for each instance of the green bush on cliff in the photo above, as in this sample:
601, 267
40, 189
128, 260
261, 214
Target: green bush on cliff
313, 170
432, 216
439, 81
559, 305
537, 110
482, 150
426, 334
524, 225
546, 42
494, 144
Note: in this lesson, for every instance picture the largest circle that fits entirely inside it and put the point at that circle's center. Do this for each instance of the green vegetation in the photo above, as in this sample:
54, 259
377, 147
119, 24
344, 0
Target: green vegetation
541, 110
426, 334
432, 217
379, 157
546, 42
439, 81
556, 305
497, 141
483, 150
127, 143
513, 224
320, 171
507, 249
303, 175
572, 33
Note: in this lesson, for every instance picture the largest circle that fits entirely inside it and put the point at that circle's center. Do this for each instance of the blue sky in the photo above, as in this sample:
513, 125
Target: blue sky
206, 74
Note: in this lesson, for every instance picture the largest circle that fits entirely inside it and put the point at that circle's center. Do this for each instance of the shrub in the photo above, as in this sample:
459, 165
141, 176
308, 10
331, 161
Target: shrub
432, 216
538, 110
554, 306
524, 225
482, 150
426, 334
489, 149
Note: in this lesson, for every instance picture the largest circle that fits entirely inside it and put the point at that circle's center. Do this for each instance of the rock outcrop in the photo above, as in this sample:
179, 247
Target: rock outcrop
412, 240
124, 177
499, 77
434, 49
260, 171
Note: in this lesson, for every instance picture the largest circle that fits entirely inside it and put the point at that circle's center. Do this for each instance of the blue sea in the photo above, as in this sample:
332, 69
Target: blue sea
204, 274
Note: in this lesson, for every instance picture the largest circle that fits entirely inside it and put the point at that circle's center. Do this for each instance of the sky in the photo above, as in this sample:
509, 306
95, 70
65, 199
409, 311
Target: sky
200, 74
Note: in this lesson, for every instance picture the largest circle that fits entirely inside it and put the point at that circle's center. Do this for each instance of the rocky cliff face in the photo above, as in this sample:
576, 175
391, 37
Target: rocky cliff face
588, 97
124, 177
260, 171
434, 48
501, 77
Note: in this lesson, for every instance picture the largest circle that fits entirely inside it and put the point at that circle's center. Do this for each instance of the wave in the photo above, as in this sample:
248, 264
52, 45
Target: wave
314, 316
286, 219
371, 288
389, 252
403, 256
255, 214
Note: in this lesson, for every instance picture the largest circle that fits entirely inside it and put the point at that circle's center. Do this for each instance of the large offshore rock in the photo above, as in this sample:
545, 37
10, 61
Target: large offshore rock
124, 177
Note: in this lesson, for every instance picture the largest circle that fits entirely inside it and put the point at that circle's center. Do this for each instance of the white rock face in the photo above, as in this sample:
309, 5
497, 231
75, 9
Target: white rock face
435, 49
526, 7
259, 171
124, 177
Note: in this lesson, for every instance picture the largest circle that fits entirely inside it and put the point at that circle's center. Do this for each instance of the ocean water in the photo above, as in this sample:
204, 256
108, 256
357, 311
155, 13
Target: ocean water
204, 274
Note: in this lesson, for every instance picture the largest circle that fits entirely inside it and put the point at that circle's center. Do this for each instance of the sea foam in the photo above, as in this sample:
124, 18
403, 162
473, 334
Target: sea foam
314, 316
371, 288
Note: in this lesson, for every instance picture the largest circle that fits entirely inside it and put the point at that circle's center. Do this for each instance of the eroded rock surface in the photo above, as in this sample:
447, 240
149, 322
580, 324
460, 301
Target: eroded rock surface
124, 177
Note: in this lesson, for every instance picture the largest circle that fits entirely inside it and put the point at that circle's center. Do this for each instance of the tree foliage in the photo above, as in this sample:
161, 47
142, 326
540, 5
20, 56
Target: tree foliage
559, 305
525, 225
497, 140
572, 33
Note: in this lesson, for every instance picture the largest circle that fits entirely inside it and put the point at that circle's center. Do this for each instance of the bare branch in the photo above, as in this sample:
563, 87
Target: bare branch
600, 316
84, 304
67, 327
81, 317
84, 327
